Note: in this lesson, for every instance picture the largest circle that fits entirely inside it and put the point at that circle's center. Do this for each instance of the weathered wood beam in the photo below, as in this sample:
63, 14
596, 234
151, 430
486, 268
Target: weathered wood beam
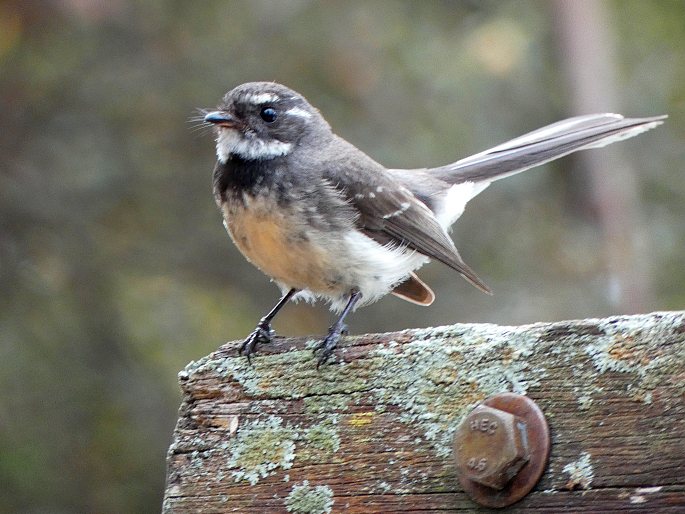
372, 432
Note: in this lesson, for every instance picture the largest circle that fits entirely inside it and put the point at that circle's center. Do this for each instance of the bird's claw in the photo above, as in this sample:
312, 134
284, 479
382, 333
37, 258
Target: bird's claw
262, 334
329, 343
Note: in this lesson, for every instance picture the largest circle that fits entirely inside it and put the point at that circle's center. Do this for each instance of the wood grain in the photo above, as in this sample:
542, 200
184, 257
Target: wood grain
372, 432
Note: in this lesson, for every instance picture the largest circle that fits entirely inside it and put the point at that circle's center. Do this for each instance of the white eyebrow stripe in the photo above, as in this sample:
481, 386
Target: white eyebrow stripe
263, 98
297, 111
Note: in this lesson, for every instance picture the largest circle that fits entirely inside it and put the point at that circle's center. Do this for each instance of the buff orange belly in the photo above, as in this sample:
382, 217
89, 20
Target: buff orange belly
280, 246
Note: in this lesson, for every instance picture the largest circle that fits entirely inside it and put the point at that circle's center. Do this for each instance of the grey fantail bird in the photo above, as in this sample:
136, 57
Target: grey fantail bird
324, 220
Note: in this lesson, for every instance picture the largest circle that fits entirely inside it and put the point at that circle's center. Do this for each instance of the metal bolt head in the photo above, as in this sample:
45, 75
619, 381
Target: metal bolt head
510, 433
491, 446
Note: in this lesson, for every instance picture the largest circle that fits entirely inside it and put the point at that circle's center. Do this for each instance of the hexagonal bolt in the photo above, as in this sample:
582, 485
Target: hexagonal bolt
491, 446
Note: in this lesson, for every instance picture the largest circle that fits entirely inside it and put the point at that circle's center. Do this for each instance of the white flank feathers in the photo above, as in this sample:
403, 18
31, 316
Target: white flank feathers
374, 268
452, 203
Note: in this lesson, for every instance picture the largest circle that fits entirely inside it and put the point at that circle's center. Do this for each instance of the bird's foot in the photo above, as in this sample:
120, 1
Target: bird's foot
262, 334
330, 342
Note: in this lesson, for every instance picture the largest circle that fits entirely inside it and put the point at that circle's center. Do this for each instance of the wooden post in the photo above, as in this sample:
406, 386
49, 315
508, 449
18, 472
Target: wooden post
372, 432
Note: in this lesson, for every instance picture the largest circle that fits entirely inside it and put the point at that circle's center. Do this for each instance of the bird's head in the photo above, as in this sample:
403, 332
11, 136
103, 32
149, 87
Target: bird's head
263, 120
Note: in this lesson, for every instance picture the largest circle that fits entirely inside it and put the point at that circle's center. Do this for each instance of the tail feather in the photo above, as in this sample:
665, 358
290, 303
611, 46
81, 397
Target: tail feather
544, 145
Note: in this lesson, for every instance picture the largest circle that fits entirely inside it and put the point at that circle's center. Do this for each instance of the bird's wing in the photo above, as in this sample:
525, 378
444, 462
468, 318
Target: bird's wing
390, 214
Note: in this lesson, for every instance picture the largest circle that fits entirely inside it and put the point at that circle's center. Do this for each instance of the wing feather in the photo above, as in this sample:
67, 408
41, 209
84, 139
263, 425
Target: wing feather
390, 214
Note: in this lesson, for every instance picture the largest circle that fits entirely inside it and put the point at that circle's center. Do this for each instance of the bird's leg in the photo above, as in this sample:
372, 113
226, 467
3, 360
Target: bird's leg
337, 329
263, 332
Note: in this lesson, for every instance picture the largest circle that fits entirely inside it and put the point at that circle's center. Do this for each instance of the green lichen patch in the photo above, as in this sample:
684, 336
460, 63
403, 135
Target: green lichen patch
436, 378
322, 440
631, 343
330, 403
262, 446
634, 345
305, 499
266, 376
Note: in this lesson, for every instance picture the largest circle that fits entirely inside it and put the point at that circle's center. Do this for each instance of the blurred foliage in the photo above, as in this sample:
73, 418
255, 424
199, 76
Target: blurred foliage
114, 267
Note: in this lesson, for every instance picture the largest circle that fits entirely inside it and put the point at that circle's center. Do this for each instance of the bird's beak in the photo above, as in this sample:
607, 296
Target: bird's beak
221, 119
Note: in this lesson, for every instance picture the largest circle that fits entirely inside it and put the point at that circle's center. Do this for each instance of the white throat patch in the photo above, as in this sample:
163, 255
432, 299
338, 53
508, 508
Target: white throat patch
231, 141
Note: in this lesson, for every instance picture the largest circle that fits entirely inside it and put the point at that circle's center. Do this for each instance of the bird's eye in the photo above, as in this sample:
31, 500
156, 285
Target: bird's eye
268, 114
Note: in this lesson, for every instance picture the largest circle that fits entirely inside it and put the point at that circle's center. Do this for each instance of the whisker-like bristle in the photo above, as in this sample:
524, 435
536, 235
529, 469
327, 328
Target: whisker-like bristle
200, 115
200, 129
198, 123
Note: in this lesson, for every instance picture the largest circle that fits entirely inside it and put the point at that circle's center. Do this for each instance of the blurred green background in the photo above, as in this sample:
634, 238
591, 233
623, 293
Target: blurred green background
115, 270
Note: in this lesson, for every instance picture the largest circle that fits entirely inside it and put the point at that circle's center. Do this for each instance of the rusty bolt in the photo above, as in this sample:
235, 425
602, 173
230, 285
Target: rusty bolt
491, 446
501, 448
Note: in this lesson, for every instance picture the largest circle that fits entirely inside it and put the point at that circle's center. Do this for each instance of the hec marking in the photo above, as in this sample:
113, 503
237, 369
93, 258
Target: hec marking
485, 425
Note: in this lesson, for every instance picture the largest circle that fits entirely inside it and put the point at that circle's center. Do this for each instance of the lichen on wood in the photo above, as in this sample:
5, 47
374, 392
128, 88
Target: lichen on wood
375, 427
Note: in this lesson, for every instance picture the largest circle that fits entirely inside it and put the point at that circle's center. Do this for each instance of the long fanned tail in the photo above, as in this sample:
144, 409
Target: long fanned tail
544, 145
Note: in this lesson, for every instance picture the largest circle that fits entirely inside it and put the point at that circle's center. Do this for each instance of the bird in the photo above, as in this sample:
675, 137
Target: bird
327, 222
